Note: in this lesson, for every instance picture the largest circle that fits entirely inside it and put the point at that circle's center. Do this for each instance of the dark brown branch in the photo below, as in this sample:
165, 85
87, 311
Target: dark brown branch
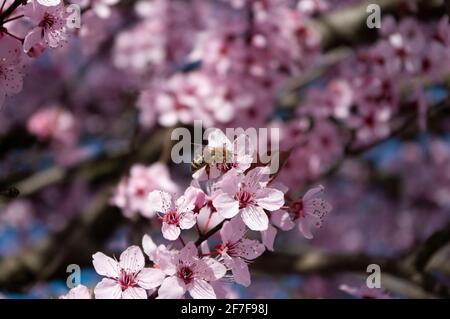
430, 247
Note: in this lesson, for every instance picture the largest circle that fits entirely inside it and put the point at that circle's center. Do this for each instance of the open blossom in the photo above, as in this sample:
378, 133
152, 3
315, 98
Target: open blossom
53, 123
249, 195
176, 215
311, 211
11, 77
238, 251
50, 26
221, 155
79, 292
193, 275
126, 278
131, 195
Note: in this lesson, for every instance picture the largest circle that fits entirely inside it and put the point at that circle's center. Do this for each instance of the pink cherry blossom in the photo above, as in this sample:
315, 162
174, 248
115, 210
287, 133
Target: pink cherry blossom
249, 195
193, 275
237, 251
131, 194
53, 123
126, 278
176, 215
79, 292
311, 211
50, 26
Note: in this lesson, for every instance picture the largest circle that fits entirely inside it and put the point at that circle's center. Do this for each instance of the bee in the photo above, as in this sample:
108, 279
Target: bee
211, 156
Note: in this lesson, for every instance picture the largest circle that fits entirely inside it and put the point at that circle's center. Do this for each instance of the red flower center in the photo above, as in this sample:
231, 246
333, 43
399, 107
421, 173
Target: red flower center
186, 274
47, 21
126, 280
245, 198
172, 217
297, 209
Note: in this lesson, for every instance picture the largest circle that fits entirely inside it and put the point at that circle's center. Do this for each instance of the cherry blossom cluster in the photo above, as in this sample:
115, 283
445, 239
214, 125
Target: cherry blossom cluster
232, 199
238, 62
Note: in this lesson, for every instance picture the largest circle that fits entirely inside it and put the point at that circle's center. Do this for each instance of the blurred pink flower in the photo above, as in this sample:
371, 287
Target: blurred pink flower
131, 195
79, 292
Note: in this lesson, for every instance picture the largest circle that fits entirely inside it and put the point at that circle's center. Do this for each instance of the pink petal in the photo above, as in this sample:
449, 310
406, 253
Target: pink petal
270, 198
49, 3
149, 247
200, 289
268, 237
134, 293
149, 278
32, 39
108, 289
240, 272
211, 269
255, 218
170, 232
282, 220
313, 192
160, 201
187, 221
9, 51
79, 292
105, 266
232, 231
132, 259
171, 288
188, 252
226, 205
305, 225
249, 248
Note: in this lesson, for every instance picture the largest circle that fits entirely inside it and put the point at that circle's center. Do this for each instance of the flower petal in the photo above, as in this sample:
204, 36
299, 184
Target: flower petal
268, 237
187, 220
232, 231
170, 231
105, 266
226, 205
240, 272
200, 289
160, 201
282, 220
149, 278
107, 289
149, 247
132, 259
171, 288
255, 218
270, 198
134, 293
